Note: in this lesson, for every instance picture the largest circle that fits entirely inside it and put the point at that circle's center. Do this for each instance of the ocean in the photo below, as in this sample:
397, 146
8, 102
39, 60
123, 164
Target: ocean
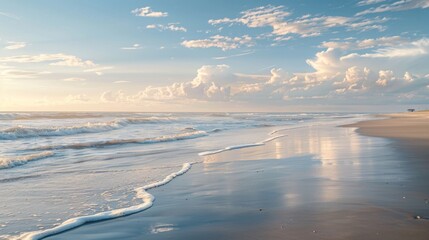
59, 170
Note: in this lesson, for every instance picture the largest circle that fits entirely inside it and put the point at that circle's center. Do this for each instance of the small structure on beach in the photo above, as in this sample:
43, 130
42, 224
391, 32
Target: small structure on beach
411, 109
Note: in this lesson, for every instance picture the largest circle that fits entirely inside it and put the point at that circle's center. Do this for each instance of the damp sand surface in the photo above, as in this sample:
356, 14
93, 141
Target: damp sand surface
317, 182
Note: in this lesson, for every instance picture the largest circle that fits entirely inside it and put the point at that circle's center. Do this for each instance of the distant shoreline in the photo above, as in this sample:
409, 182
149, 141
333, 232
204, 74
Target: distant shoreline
409, 127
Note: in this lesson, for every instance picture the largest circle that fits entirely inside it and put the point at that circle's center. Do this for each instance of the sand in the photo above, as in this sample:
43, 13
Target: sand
405, 126
320, 182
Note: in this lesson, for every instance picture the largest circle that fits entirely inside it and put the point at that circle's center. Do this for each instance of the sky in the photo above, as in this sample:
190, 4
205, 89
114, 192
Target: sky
223, 55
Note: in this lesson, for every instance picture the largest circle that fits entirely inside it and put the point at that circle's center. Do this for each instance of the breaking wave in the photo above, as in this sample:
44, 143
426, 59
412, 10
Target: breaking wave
21, 160
28, 132
146, 198
107, 143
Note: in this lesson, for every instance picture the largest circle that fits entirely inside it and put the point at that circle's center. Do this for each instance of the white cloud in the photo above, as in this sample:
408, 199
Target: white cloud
55, 59
122, 81
148, 12
281, 39
366, 43
384, 77
349, 85
98, 70
409, 77
235, 55
212, 83
170, 26
355, 79
135, 46
405, 49
74, 79
400, 5
367, 24
257, 17
339, 76
15, 45
305, 26
11, 73
369, 2
218, 41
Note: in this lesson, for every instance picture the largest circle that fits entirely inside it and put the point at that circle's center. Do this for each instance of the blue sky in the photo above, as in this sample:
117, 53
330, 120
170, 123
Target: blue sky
214, 55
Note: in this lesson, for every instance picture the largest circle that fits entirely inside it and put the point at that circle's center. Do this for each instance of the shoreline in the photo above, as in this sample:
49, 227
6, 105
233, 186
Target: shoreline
411, 128
318, 182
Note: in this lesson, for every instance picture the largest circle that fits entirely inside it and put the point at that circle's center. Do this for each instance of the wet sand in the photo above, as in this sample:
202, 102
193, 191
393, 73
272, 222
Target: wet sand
404, 126
320, 182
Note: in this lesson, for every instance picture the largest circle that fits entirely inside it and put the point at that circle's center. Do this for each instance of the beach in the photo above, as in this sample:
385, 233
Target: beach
131, 120
411, 127
320, 181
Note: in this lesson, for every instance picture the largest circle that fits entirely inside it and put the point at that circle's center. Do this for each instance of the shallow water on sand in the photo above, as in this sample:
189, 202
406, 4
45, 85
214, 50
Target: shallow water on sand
56, 166
321, 182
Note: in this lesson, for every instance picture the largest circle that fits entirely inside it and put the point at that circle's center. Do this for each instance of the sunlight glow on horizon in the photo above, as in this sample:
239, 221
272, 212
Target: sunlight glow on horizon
163, 57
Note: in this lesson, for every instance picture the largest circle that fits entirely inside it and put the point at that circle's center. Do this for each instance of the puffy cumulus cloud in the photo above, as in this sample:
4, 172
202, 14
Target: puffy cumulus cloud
339, 74
327, 62
54, 59
352, 85
212, 83
218, 41
409, 77
400, 5
174, 27
355, 79
304, 26
276, 76
336, 78
15, 45
384, 77
148, 12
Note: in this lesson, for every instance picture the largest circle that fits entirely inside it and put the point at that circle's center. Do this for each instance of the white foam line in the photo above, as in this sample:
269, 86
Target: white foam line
284, 129
272, 138
141, 192
229, 148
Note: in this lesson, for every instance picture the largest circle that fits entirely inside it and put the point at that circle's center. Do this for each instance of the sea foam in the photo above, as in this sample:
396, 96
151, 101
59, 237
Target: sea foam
141, 193
27, 132
107, 143
11, 162
229, 148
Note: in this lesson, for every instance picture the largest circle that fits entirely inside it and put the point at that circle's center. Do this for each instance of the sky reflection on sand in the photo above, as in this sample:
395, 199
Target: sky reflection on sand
332, 156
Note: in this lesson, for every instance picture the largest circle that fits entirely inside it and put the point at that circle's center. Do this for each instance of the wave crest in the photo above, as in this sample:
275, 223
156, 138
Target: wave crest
28, 132
98, 144
21, 160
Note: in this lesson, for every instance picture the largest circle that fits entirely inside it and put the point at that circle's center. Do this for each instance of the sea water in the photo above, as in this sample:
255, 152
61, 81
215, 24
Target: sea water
60, 170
